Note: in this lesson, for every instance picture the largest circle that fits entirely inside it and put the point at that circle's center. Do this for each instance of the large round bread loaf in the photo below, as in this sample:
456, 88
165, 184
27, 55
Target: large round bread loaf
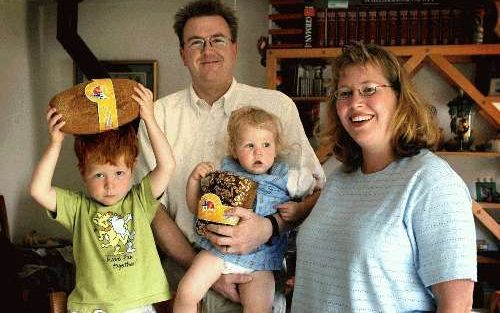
81, 114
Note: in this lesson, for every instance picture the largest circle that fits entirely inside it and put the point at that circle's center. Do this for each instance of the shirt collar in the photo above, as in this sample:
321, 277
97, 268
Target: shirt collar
225, 99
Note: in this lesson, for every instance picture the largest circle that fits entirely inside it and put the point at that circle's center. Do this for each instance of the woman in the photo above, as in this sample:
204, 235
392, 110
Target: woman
393, 229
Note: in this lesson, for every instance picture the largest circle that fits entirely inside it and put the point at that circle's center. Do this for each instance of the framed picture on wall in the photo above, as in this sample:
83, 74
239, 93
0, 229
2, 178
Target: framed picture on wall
142, 71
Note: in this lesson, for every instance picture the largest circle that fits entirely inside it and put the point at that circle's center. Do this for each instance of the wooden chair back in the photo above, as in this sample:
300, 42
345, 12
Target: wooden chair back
58, 302
4, 223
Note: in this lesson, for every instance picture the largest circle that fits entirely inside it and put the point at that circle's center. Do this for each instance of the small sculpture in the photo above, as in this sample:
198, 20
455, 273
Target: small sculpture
460, 110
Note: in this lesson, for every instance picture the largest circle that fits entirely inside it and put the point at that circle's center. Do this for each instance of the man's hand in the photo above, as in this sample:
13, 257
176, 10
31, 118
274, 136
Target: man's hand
251, 232
227, 285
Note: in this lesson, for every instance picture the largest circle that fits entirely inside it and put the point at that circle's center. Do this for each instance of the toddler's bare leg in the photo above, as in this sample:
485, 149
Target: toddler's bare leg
204, 271
257, 296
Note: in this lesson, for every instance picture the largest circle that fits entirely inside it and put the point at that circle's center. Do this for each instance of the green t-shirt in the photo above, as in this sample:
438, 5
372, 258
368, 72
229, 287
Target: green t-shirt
117, 264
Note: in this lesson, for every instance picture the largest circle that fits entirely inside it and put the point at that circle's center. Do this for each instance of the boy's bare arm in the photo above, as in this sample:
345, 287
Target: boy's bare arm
165, 162
41, 188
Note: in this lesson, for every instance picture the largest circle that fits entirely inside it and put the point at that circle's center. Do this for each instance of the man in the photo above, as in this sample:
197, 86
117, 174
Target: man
195, 120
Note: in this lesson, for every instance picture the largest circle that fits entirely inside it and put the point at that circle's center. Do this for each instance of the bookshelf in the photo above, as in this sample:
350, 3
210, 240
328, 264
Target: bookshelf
442, 58
439, 56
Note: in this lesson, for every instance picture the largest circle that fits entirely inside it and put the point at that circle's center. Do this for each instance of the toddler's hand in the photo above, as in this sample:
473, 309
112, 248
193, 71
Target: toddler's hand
290, 211
201, 170
55, 122
144, 97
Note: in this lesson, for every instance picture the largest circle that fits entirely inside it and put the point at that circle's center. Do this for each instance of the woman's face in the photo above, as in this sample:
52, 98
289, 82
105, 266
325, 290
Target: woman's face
367, 117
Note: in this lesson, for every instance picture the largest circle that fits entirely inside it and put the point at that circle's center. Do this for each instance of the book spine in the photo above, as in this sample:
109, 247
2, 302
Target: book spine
444, 26
341, 27
332, 28
435, 32
393, 34
403, 27
321, 28
413, 27
382, 27
457, 26
362, 25
424, 27
372, 27
352, 26
309, 14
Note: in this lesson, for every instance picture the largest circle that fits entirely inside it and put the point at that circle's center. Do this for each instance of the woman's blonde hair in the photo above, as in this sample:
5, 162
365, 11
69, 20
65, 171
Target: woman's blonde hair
414, 124
255, 117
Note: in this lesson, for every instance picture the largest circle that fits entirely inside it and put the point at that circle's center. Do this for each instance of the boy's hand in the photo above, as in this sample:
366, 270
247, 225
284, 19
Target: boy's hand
201, 170
290, 211
55, 122
144, 97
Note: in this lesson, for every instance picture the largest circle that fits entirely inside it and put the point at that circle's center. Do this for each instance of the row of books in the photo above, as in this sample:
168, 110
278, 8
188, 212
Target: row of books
303, 79
391, 26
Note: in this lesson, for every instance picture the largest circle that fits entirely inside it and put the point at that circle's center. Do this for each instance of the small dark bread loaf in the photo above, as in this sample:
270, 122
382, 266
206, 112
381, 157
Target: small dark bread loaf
81, 114
232, 190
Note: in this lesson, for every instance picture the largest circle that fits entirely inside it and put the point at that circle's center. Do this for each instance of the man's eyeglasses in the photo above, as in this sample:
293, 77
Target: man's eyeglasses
217, 42
344, 94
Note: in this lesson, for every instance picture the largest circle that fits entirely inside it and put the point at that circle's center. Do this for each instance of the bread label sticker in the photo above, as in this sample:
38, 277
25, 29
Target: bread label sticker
210, 208
101, 92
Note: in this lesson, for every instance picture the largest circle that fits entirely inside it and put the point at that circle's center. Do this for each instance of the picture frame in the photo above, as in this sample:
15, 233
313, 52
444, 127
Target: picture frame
142, 71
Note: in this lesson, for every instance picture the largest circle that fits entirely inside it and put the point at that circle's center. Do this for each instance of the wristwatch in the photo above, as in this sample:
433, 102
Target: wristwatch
276, 229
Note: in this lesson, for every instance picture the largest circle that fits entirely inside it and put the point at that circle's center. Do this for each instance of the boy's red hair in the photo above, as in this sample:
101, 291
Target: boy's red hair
107, 147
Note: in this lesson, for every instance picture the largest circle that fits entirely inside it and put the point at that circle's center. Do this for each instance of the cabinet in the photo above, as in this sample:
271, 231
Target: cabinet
440, 57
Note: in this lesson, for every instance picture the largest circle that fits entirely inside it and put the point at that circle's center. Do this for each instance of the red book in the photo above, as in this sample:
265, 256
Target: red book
413, 27
331, 27
424, 27
320, 28
372, 27
435, 31
341, 27
382, 27
403, 27
444, 25
352, 26
362, 25
392, 16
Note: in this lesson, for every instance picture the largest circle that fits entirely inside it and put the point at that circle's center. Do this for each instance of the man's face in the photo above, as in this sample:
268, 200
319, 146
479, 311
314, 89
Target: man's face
211, 64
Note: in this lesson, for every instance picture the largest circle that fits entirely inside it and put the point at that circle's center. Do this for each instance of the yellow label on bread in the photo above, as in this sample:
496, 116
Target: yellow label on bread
101, 92
210, 208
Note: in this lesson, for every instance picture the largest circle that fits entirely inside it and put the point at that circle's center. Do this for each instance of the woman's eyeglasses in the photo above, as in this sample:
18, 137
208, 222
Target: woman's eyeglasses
344, 94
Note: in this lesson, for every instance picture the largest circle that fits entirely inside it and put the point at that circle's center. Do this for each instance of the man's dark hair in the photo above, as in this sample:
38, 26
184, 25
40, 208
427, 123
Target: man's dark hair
205, 8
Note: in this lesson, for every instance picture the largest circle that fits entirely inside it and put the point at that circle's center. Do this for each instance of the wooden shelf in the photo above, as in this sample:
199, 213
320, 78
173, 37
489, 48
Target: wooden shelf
310, 99
489, 205
286, 16
469, 154
440, 56
286, 31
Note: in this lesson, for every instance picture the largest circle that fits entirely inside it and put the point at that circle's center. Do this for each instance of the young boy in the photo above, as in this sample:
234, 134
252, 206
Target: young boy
117, 265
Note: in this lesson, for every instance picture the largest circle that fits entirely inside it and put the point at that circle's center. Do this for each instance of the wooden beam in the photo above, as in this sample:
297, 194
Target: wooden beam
488, 221
454, 75
67, 24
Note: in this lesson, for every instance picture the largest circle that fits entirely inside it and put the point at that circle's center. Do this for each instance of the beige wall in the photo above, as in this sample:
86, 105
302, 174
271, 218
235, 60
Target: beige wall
34, 67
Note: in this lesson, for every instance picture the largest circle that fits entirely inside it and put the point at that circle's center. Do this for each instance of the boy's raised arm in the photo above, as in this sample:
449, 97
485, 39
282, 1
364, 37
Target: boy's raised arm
41, 188
165, 162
